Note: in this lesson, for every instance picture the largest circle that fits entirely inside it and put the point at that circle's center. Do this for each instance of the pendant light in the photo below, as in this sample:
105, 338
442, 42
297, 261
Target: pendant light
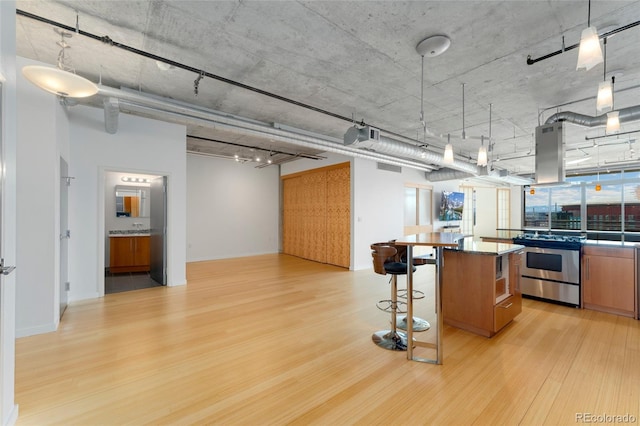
613, 116
433, 46
589, 53
482, 153
448, 151
598, 186
604, 101
61, 81
613, 122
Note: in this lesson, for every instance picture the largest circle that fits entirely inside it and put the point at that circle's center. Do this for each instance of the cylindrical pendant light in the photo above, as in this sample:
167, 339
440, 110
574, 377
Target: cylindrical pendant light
448, 152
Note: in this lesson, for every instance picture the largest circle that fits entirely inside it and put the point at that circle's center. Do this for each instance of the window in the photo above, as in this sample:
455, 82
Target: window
602, 205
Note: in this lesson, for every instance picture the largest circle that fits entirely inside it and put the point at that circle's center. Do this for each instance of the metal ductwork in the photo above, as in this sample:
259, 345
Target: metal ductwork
378, 147
111, 112
625, 114
447, 174
177, 112
370, 138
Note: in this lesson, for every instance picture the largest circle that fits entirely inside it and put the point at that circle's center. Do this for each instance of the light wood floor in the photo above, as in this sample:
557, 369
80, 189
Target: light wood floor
274, 340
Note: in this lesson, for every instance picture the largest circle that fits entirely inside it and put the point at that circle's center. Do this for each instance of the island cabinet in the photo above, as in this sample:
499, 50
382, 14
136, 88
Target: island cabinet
129, 254
481, 292
608, 280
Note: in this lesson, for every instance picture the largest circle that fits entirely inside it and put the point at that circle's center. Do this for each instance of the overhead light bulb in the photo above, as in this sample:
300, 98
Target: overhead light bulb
482, 153
590, 52
598, 187
605, 97
613, 122
532, 191
448, 152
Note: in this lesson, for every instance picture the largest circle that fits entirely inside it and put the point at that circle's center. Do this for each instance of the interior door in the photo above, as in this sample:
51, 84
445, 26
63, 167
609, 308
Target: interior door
158, 232
65, 181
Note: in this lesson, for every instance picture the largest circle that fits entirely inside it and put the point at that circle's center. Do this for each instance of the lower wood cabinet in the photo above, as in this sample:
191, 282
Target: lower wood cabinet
476, 295
129, 254
608, 280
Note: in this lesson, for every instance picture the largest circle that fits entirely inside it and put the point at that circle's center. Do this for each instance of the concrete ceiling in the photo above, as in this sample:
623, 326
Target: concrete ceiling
357, 60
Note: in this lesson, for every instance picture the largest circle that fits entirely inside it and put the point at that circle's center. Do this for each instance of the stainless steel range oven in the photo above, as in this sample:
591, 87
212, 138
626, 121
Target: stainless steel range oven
551, 269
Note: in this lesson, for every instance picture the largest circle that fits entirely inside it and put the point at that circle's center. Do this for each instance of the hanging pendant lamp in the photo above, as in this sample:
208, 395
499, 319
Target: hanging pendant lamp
604, 101
589, 52
482, 153
448, 152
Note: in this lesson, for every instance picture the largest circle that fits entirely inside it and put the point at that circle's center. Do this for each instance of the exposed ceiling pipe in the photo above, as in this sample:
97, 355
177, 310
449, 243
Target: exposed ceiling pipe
360, 137
111, 112
626, 114
447, 174
174, 112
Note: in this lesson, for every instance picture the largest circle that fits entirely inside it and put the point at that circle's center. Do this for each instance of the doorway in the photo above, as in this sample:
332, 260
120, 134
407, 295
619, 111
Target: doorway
135, 245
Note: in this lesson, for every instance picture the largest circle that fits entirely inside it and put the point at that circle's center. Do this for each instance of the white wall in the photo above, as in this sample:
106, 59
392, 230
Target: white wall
233, 209
139, 146
378, 207
8, 129
516, 207
38, 204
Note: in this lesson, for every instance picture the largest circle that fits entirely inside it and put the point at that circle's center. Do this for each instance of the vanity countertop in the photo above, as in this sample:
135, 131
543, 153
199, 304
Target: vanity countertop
130, 233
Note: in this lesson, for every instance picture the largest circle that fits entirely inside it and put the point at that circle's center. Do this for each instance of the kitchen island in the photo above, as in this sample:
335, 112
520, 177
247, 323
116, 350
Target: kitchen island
481, 291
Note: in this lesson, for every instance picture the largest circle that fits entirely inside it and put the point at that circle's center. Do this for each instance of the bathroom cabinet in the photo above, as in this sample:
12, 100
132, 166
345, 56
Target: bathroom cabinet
129, 254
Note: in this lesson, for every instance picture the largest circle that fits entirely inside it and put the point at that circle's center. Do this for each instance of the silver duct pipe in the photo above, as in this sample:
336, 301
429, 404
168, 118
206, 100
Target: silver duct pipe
182, 113
272, 133
447, 174
370, 138
626, 114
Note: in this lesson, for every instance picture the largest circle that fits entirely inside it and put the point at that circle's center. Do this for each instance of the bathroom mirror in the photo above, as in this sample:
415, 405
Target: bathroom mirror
132, 201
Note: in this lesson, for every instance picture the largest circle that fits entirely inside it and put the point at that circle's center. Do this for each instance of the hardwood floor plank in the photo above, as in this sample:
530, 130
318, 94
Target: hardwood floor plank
275, 339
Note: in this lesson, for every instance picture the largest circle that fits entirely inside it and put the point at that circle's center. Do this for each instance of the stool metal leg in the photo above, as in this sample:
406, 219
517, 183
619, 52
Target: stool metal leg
391, 339
419, 324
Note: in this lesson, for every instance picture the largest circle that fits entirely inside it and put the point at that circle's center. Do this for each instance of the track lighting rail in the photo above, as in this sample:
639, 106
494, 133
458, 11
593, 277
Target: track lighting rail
531, 61
201, 73
273, 151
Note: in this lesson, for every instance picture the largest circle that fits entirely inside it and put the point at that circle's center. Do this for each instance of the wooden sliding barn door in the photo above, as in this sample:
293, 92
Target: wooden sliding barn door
316, 214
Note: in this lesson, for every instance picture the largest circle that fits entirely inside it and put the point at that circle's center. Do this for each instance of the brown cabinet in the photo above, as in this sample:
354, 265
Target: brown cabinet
481, 292
608, 280
129, 254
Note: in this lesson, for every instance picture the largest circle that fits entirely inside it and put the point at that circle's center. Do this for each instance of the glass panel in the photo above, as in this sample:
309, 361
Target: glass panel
424, 212
604, 207
410, 206
565, 207
632, 207
536, 208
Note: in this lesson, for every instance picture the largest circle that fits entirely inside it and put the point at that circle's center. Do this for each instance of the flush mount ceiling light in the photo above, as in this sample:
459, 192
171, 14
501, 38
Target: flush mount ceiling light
61, 81
589, 53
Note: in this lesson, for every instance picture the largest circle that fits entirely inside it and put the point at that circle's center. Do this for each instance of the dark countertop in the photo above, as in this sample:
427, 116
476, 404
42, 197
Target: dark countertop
469, 245
510, 235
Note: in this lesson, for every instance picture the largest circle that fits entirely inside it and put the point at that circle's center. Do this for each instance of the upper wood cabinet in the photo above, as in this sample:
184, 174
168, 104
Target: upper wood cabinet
608, 280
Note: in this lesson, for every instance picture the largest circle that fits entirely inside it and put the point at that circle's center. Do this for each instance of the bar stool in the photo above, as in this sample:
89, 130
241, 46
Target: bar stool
419, 324
384, 263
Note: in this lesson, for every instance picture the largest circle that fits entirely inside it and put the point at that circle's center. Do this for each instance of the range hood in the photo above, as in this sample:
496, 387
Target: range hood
550, 153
